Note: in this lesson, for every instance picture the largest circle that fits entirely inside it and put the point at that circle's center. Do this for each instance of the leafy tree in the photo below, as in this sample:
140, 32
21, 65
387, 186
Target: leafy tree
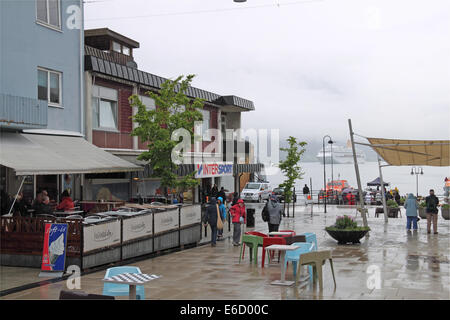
290, 166
174, 110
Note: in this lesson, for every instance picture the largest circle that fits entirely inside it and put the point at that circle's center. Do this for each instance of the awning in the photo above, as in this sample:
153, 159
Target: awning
376, 183
30, 154
412, 152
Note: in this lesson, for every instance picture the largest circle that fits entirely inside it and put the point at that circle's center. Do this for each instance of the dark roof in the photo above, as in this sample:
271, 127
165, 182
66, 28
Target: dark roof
92, 34
97, 64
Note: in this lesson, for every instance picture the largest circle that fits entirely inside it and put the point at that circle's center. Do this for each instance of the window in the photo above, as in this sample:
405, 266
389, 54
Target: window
148, 102
49, 86
47, 11
126, 50
116, 47
104, 108
205, 124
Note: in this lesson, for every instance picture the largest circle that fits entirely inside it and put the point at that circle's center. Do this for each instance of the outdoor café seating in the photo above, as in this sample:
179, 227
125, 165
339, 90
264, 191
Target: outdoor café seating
113, 289
253, 242
316, 259
268, 241
294, 256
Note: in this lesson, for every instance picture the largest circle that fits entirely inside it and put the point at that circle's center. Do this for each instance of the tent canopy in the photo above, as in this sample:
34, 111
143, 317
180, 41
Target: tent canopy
30, 154
377, 183
412, 152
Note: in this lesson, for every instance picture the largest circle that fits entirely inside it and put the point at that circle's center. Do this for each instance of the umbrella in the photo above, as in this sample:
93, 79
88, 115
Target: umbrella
377, 183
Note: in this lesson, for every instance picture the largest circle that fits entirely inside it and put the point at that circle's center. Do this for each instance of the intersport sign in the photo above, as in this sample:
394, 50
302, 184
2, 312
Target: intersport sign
208, 170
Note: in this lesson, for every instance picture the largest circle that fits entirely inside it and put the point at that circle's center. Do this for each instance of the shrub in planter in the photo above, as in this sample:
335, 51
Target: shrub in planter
345, 230
393, 208
445, 211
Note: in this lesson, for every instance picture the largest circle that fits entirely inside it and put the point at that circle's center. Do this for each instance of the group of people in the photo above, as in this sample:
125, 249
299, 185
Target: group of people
272, 214
213, 192
40, 205
432, 204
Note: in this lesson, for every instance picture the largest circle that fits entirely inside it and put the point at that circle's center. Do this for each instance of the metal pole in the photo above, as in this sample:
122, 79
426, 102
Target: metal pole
332, 177
324, 175
15, 198
358, 178
383, 196
417, 184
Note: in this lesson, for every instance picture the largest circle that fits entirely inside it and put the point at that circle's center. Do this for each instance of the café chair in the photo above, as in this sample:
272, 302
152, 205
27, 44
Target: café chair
268, 241
114, 289
294, 256
252, 242
311, 237
316, 259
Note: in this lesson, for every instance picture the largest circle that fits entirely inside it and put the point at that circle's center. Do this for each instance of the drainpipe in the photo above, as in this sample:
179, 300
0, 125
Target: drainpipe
81, 71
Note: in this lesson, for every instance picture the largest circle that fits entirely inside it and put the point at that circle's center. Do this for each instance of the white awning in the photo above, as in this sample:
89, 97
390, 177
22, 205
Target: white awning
39, 154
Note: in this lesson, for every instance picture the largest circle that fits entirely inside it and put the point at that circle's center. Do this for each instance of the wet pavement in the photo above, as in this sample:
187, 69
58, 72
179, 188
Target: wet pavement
410, 265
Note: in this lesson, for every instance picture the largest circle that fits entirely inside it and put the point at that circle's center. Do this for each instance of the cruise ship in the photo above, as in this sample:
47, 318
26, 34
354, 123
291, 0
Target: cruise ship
340, 154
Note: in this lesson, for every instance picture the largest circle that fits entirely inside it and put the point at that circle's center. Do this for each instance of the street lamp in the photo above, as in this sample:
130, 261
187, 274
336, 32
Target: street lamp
415, 170
330, 141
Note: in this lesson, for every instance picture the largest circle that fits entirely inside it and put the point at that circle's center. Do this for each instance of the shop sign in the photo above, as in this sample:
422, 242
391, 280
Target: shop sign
54, 250
208, 170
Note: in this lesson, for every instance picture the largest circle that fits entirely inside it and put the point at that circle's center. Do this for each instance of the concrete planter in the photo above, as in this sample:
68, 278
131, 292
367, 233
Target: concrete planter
445, 213
344, 237
393, 212
422, 212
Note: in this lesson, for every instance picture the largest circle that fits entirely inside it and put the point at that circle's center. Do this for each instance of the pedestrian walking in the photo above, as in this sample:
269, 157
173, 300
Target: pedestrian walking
238, 217
211, 219
411, 207
432, 203
214, 191
275, 213
235, 198
221, 194
305, 194
223, 216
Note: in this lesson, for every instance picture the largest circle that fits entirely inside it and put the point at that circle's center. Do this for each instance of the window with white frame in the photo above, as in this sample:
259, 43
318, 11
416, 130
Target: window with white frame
48, 12
148, 102
104, 108
49, 86
205, 124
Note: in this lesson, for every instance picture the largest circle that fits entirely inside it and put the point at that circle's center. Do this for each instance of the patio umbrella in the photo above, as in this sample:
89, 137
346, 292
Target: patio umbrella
377, 183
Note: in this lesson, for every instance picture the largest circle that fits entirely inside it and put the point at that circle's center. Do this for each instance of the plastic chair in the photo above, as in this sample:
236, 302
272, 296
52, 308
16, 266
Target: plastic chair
317, 259
253, 242
268, 241
113, 289
291, 231
294, 256
254, 233
311, 237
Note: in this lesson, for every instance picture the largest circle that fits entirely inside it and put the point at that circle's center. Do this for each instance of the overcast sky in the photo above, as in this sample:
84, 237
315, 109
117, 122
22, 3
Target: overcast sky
307, 67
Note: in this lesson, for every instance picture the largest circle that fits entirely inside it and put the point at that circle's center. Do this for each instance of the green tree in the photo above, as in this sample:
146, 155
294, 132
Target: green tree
174, 110
290, 167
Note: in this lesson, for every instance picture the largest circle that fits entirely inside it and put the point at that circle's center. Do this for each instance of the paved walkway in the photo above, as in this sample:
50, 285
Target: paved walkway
411, 265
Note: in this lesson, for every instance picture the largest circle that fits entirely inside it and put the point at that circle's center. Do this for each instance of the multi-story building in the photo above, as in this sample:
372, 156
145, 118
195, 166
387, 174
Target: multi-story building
111, 77
41, 99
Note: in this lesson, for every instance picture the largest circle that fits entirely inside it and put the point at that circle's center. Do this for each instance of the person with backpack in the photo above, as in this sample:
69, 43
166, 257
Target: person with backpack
432, 203
238, 217
223, 216
275, 212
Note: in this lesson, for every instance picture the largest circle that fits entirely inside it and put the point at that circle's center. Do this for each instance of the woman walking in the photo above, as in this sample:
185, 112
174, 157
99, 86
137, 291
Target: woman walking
223, 216
238, 213
411, 211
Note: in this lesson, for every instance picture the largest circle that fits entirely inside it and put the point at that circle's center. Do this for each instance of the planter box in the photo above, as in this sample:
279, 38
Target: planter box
445, 213
393, 212
344, 237
422, 212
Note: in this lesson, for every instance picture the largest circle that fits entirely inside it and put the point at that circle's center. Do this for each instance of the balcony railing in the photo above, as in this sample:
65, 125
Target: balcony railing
22, 113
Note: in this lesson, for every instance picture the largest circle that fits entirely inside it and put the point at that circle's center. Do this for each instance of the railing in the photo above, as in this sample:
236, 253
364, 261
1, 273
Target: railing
22, 113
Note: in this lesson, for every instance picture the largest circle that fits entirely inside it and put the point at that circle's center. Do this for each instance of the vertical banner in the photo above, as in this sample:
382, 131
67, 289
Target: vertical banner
54, 251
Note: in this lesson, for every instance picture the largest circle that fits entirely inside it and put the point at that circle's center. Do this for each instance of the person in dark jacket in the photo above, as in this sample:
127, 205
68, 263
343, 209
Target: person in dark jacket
275, 213
20, 206
211, 219
235, 198
432, 211
214, 191
221, 194
305, 194
43, 207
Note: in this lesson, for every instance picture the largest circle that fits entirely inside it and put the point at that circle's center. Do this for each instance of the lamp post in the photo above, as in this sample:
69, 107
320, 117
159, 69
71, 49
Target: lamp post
330, 141
415, 170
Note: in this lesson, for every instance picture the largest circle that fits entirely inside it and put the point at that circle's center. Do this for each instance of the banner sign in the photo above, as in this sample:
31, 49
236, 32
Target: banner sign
190, 215
54, 251
137, 227
208, 170
101, 235
165, 221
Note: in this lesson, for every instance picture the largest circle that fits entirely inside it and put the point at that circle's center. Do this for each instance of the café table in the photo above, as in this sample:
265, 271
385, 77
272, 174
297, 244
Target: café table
282, 249
279, 233
68, 213
133, 280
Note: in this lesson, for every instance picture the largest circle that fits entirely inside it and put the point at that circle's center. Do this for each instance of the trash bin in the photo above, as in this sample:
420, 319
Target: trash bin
250, 218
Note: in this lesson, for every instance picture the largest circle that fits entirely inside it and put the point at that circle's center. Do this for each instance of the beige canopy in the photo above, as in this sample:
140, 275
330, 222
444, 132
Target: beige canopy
412, 152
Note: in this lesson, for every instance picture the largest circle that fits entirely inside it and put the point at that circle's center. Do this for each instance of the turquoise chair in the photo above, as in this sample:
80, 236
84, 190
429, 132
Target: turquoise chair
294, 256
311, 237
116, 290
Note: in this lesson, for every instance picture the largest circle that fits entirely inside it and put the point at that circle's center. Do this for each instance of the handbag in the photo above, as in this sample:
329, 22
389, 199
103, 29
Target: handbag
219, 219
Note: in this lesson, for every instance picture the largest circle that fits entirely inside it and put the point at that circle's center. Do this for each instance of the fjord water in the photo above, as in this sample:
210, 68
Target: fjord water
400, 177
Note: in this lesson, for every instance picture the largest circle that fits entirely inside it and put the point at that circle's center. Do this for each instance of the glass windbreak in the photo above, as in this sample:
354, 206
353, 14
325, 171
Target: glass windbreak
252, 186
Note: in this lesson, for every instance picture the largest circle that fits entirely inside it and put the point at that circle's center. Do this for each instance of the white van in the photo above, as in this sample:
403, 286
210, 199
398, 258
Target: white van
256, 191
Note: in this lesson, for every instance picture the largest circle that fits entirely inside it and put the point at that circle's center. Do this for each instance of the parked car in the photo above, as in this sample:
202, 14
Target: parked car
256, 191
279, 193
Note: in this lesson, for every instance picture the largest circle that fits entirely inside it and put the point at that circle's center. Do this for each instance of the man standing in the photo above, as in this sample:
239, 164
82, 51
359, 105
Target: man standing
275, 212
211, 219
305, 194
432, 203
